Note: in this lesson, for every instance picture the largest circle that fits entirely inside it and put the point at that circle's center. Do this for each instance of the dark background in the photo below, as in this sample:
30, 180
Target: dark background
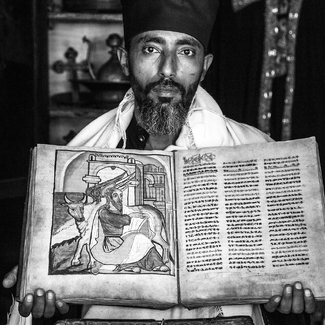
234, 79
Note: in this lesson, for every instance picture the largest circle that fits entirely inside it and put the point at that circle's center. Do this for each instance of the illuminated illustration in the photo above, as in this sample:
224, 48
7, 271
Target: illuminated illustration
112, 213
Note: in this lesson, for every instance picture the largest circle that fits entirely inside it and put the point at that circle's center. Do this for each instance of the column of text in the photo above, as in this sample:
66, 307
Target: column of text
243, 215
287, 226
203, 249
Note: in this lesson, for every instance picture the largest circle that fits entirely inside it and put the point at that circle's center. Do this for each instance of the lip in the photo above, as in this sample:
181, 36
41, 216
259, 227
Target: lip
166, 91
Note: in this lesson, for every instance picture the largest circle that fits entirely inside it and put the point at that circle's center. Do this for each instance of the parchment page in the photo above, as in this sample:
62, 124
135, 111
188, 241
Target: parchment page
103, 227
251, 219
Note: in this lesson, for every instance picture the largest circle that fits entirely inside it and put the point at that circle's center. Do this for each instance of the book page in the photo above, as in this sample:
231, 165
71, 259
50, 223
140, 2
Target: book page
251, 219
103, 227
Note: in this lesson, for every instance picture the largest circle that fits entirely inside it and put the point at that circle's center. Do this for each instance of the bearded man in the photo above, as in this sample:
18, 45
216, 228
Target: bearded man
112, 221
166, 108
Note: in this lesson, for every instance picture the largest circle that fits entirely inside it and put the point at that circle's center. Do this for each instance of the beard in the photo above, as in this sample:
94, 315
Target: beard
166, 116
117, 205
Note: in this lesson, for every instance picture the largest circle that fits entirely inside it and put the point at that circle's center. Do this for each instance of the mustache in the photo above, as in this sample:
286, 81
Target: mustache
164, 83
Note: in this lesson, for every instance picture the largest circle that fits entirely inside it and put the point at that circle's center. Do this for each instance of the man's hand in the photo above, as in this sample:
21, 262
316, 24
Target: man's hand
40, 304
295, 299
10, 278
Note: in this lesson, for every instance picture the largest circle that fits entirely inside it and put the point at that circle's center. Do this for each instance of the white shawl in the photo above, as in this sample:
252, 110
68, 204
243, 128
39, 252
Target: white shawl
206, 126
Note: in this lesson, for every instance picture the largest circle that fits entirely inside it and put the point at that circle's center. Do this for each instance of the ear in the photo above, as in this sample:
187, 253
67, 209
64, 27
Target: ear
122, 55
206, 65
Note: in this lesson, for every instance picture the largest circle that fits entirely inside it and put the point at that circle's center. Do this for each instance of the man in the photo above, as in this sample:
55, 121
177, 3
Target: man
166, 109
112, 221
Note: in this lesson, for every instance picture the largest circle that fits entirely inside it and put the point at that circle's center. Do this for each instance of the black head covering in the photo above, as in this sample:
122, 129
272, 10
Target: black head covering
192, 17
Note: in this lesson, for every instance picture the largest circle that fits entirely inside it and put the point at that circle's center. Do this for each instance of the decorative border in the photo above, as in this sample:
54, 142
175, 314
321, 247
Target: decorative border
269, 66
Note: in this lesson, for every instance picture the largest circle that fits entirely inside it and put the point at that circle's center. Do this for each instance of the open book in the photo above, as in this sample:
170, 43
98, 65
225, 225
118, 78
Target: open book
223, 225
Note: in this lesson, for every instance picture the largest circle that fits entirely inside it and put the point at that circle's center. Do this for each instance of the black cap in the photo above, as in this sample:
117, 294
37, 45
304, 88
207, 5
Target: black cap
192, 17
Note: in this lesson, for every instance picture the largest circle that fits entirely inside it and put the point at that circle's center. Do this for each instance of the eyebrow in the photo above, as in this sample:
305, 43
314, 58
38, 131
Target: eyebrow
189, 41
160, 40
153, 39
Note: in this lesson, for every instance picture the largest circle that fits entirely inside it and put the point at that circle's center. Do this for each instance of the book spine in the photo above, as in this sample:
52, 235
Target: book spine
23, 234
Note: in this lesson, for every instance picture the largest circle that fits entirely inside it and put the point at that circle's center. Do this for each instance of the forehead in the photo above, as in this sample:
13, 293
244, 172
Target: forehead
168, 38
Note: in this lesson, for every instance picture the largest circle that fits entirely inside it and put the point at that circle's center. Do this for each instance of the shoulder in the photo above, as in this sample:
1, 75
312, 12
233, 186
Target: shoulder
210, 128
245, 134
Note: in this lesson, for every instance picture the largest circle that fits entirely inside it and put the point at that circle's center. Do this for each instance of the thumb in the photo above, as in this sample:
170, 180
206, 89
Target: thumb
10, 278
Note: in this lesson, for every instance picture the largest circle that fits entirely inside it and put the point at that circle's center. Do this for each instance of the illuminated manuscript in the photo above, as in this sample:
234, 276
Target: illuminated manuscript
222, 225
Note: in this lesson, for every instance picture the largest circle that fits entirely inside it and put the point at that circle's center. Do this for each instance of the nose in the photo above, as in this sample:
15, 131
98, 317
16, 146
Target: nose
168, 66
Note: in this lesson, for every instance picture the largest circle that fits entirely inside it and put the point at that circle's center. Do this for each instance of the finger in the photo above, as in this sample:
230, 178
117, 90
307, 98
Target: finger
10, 278
49, 309
62, 306
286, 301
272, 304
298, 303
310, 302
25, 307
39, 303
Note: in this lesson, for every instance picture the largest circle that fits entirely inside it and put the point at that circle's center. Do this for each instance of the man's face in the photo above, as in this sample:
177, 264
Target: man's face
117, 199
165, 69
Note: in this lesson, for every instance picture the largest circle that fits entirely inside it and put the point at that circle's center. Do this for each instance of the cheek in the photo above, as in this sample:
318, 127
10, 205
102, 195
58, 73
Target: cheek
143, 72
190, 74
191, 67
145, 77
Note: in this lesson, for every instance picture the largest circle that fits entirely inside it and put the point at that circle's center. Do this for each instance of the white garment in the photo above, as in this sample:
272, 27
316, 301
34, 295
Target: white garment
206, 126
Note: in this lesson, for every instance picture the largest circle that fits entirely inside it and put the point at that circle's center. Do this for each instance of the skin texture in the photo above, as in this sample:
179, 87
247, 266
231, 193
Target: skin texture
294, 299
153, 56
158, 56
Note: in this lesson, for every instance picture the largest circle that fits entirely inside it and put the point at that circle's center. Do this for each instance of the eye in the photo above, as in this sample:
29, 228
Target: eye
150, 50
187, 52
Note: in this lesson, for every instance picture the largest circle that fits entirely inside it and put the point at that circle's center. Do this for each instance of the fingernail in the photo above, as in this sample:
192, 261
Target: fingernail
298, 285
307, 293
288, 289
29, 298
277, 299
39, 292
50, 295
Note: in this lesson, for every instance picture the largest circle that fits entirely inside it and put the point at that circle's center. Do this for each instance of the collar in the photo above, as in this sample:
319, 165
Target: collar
136, 136
205, 126
202, 101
